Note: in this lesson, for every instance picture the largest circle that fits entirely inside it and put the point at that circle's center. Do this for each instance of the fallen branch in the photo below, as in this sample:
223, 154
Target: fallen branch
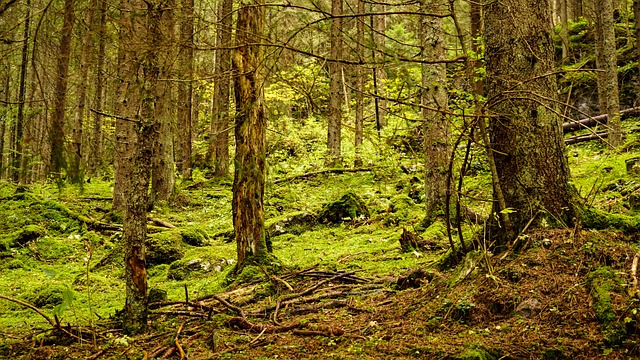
27, 305
244, 324
595, 120
585, 138
321, 172
161, 223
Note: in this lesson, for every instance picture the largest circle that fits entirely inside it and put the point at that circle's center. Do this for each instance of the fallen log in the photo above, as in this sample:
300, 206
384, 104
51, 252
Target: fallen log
585, 138
321, 172
595, 120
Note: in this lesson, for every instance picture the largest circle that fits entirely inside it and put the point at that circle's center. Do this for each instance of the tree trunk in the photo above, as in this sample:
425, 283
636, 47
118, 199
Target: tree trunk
564, 32
76, 172
636, 16
185, 91
4, 94
56, 132
526, 136
606, 49
16, 158
335, 90
96, 154
434, 96
163, 166
248, 185
359, 86
379, 39
218, 152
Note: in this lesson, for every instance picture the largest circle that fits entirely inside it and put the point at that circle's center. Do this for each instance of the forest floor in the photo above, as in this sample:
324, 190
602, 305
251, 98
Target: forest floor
343, 291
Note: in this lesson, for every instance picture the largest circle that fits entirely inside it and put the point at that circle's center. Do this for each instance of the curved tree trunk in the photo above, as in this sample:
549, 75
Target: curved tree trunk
527, 135
250, 173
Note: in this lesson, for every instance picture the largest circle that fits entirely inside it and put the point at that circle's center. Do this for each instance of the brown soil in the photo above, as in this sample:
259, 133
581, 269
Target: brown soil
532, 305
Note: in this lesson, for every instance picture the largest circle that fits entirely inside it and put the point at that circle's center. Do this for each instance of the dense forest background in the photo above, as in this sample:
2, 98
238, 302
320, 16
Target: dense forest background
176, 176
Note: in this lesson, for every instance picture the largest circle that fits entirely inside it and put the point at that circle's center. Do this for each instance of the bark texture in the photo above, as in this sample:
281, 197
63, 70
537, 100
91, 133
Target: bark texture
250, 173
19, 126
56, 132
434, 99
526, 135
359, 85
218, 152
607, 61
335, 99
185, 91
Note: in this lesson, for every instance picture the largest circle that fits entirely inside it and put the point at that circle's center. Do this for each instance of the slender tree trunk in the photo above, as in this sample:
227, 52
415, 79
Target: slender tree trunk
526, 136
636, 16
379, 38
250, 172
96, 154
576, 9
163, 165
335, 98
607, 61
56, 132
359, 85
76, 172
218, 152
185, 91
16, 158
564, 32
434, 96
4, 88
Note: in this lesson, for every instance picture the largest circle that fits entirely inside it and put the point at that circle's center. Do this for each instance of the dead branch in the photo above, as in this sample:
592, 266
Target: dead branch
321, 172
244, 324
161, 223
29, 306
585, 138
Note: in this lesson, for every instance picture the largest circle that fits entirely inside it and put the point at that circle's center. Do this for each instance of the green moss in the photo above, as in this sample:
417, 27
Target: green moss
47, 296
194, 237
602, 283
349, 206
596, 219
164, 248
476, 354
436, 232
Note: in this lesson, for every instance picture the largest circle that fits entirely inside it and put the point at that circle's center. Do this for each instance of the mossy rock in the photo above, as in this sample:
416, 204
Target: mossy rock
186, 268
194, 237
23, 236
157, 295
48, 296
164, 248
349, 206
293, 223
600, 220
602, 283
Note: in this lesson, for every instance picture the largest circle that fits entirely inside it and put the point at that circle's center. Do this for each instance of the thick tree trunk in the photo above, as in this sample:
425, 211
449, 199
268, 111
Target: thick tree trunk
138, 51
185, 91
76, 171
335, 90
218, 152
526, 136
250, 173
359, 86
434, 99
56, 132
606, 54
16, 158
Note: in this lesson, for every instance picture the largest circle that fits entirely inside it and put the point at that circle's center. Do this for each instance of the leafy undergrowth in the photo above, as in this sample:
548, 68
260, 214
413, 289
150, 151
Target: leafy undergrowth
342, 288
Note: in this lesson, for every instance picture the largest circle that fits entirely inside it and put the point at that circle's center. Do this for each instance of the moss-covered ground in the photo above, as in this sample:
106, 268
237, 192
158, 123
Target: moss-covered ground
565, 294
